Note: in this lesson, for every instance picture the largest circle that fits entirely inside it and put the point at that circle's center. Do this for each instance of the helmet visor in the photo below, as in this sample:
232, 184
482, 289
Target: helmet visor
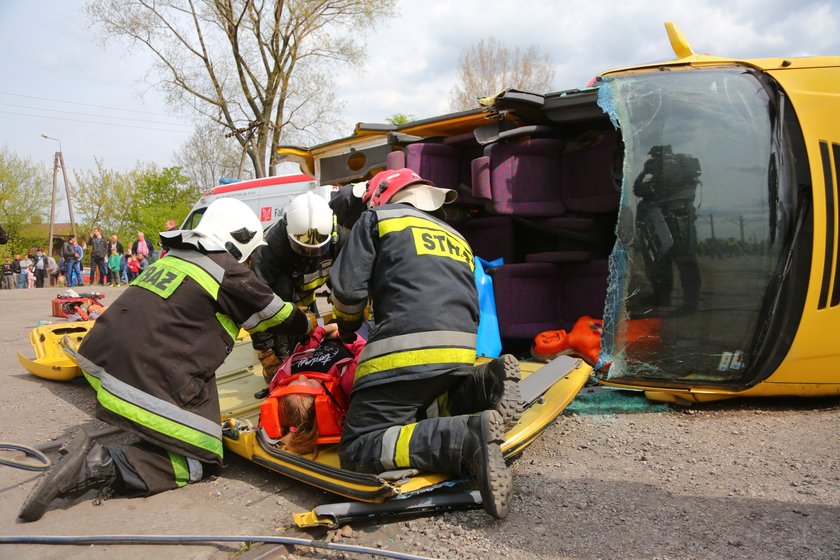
311, 243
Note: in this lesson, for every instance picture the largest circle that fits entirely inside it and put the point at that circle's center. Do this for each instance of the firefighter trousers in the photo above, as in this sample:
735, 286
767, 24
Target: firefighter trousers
144, 469
388, 426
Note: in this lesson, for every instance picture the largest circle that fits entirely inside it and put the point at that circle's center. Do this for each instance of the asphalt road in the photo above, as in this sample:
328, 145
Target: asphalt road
734, 480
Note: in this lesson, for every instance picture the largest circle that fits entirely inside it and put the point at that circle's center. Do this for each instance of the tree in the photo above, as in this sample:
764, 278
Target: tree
488, 67
159, 195
141, 199
25, 190
208, 156
261, 69
400, 119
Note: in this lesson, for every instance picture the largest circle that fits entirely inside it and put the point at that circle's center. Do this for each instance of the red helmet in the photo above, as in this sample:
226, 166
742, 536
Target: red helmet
386, 184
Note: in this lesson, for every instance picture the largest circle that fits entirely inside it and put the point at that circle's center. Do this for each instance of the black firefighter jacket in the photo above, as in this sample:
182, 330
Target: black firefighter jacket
153, 355
418, 272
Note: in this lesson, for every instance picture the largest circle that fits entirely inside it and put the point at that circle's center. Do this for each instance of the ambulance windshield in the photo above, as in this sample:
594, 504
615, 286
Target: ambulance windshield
701, 227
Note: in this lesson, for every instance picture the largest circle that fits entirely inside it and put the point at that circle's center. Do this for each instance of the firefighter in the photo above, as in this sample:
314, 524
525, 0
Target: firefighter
152, 361
295, 262
418, 273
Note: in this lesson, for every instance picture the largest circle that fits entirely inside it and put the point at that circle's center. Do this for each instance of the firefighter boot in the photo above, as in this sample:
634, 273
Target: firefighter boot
270, 363
482, 457
501, 381
84, 466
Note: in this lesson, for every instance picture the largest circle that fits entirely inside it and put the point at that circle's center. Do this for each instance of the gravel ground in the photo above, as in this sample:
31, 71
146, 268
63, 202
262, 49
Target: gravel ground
736, 479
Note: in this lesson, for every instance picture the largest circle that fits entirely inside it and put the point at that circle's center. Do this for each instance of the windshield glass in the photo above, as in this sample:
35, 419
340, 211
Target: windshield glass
699, 229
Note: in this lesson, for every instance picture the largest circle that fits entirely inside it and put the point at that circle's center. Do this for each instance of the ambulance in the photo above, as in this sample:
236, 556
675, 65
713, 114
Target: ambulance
267, 197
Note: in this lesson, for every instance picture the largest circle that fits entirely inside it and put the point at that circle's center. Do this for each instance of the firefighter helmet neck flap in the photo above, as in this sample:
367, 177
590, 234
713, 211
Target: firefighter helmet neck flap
232, 226
406, 186
386, 184
309, 224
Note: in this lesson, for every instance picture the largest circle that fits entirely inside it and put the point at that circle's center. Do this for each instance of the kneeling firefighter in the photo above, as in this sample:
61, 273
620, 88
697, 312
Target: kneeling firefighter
295, 262
418, 272
152, 361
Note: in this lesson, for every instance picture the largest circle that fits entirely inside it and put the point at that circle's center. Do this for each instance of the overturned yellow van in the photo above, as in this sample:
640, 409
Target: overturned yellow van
690, 204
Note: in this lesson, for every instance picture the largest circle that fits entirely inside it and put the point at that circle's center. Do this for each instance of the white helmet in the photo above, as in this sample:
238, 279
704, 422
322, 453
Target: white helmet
233, 226
309, 224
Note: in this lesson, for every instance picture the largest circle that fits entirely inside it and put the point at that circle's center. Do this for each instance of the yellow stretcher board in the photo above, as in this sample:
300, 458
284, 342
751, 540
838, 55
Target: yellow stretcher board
51, 362
240, 411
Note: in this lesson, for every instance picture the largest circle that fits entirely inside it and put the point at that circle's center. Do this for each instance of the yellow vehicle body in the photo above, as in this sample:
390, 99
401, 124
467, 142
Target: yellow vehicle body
763, 226
51, 362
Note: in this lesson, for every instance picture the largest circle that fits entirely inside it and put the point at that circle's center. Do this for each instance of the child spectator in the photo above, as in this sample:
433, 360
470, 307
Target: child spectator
133, 268
114, 267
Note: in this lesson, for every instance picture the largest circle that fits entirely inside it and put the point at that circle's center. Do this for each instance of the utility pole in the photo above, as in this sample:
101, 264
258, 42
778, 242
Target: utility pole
249, 130
52, 201
58, 161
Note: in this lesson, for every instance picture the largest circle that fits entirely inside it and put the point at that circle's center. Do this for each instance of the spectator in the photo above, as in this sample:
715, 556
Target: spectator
142, 247
133, 268
8, 275
114, 267
98, 256
16, 270
68, 256
39, 267
112, 244
124, 268
52, 271
78, 279
25, 268
170, 225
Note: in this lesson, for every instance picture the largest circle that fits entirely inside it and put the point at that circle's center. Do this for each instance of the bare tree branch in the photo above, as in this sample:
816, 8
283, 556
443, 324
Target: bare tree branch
248, 61
488, 67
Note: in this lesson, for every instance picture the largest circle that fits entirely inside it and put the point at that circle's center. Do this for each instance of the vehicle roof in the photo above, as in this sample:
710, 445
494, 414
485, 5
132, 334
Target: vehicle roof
574, 105
262, 182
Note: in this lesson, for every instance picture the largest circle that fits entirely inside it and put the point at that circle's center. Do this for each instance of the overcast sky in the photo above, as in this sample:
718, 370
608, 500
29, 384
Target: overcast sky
57, 80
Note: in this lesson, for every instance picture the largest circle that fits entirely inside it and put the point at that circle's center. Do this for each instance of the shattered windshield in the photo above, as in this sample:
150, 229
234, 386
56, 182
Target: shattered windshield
699, 228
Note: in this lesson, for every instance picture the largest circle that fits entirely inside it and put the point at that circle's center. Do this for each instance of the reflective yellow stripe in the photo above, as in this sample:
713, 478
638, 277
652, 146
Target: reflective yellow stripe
401, 457
313, 284
347, 316
161, 424
284, 313
390, 225
179, 466
227, 323
411, 358
430, 238
195, 272
306, 301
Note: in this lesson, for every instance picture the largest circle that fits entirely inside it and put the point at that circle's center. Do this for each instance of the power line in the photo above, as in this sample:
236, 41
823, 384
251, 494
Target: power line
84, 104
90, 114
92, 122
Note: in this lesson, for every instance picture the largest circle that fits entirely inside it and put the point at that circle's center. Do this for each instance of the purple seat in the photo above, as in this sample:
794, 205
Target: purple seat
586, 176
528, 299
490, 238
584, 290
438, 163
536, 297
445, 165
395, 160
520, 178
